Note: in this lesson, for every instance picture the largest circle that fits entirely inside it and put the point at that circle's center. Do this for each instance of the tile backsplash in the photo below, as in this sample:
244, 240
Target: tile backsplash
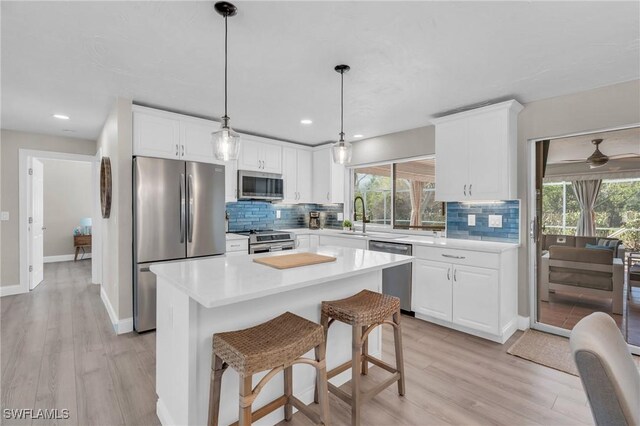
458, 214
247, 215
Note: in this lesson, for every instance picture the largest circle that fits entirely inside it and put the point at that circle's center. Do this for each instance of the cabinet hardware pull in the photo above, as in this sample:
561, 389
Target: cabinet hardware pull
328, 197
455, 275
448, 274
177, 150
465, 190
182, 150
145, 269
452, 256
470, 186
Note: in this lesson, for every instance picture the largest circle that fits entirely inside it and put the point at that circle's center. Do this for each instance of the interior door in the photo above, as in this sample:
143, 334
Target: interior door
205, 209
37, 225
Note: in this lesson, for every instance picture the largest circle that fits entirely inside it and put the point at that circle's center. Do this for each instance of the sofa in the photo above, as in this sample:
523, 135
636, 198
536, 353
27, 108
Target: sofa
581, 242
571, 267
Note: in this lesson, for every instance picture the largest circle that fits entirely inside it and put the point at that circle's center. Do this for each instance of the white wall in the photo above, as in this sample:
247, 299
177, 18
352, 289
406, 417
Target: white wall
11, 142
597, 109
67, 199
117, 231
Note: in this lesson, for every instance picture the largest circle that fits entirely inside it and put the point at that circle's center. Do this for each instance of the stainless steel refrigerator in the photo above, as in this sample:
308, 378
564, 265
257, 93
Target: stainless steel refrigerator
179, 210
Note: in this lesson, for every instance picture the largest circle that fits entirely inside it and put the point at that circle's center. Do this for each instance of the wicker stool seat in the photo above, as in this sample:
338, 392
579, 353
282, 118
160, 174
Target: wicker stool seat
364, 308
277, 342
364, 312
275, 345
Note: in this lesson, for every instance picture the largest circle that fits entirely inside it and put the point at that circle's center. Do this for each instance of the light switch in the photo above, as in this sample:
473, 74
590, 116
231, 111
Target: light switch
495, 221
471, 220
4, 216
277, 214
340, 216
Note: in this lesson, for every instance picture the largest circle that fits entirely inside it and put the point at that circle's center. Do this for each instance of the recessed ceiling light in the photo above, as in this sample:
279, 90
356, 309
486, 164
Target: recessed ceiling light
358, 136
61, 116
306, 121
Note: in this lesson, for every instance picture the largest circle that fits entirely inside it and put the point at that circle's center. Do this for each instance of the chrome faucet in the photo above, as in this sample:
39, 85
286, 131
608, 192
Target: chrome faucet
364, 214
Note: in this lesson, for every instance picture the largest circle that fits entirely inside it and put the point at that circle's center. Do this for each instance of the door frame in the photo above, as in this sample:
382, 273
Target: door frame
25, 157
531, 244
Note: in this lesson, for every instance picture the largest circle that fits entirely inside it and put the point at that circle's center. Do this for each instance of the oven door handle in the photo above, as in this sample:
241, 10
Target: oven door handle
281, 247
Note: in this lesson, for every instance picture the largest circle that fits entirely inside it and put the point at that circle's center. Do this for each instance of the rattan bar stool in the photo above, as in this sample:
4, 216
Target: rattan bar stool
275, 345
364, 312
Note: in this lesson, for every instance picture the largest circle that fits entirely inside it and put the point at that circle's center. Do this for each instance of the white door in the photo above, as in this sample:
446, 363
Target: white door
432, 289
196, 142
476, 300
453, 161
289, 174
155, 136
304, 172
271, 156
249, 155
37, 225
488, 156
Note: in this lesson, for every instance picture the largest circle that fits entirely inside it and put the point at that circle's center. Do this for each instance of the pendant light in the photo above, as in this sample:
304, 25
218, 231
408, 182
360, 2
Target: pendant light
342, 150
226, 142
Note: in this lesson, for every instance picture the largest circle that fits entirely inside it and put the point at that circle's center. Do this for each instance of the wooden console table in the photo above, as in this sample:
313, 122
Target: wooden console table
81, 242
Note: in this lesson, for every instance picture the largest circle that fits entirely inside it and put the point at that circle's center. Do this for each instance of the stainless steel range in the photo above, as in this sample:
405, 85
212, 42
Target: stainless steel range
264, 241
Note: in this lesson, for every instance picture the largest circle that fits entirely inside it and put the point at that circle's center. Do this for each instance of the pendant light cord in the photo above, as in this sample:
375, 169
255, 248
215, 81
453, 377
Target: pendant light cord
225, 66
341, 106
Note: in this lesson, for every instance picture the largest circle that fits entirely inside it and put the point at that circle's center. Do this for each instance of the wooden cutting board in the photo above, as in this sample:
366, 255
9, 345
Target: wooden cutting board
295, 260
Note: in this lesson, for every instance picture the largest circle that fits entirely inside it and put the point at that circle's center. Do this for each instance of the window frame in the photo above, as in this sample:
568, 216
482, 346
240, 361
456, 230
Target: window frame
392, 164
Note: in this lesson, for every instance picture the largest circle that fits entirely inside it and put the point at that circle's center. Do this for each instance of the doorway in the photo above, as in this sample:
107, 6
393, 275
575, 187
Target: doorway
59, 204
586, 208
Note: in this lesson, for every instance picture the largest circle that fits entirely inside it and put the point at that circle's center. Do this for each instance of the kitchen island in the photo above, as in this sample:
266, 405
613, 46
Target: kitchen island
197, 298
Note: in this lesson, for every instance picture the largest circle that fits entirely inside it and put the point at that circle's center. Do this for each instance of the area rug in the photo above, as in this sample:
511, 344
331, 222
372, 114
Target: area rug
545, 349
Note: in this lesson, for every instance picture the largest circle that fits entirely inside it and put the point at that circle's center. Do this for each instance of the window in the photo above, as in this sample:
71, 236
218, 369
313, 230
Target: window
405, 201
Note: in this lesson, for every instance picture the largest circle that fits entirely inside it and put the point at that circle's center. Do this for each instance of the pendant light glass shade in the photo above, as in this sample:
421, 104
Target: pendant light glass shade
226, 142
341, 152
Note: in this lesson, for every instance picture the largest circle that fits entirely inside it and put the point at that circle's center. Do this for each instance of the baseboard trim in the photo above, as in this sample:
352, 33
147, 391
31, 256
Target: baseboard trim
163, 414
64, 258
524, 323
10, 290
119, 326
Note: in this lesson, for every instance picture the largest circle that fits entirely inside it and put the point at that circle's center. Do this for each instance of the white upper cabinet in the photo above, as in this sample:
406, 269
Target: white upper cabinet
196, 139
259, 156
296, 173
231, 181
156, 135
476, 154
328, 178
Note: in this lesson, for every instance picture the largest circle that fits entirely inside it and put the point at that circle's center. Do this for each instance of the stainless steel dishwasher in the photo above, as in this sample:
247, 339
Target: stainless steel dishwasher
396, 281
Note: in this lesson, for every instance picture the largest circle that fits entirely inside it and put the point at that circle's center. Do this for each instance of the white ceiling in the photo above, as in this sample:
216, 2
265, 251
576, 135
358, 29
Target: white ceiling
614, 143
410, 60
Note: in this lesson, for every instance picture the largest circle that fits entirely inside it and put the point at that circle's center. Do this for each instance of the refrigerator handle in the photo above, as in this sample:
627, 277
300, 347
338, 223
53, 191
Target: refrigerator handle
191, 208
182, 207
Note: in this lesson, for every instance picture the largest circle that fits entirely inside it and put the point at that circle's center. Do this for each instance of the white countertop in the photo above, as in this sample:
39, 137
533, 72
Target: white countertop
423, 240
223, 280
232, 237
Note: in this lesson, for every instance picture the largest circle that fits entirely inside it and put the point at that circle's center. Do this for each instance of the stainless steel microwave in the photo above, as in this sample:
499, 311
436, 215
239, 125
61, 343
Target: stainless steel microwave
260, 186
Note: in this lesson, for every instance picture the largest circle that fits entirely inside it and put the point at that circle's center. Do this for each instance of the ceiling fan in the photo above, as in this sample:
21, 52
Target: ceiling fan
598, 159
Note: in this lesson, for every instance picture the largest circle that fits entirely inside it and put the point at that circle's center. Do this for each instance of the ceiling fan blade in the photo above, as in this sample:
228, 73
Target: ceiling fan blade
627, 155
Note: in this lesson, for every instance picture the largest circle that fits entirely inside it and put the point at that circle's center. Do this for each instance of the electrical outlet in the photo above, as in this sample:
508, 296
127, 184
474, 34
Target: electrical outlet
278, 214
4, 216
340, 216
471, 220
495, 221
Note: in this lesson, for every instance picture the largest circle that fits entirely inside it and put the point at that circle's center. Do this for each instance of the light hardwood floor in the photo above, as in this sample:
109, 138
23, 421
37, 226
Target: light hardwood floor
58, 350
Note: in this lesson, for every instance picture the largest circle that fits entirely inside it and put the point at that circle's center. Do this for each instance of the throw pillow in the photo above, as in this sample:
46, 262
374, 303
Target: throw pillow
598, 247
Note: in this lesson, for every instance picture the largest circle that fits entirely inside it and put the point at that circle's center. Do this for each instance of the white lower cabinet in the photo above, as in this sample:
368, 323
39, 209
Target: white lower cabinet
432, 289
458, 293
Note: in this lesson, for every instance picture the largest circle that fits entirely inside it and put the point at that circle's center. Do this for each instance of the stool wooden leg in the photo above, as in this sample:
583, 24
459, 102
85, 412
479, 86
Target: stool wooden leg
288, 391
218, 368
356, 365
324, 321
321, 383
246, 397
397, 338
365, 351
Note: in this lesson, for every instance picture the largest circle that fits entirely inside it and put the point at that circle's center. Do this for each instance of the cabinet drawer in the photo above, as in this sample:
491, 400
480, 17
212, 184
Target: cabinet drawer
458, 257
238, 245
